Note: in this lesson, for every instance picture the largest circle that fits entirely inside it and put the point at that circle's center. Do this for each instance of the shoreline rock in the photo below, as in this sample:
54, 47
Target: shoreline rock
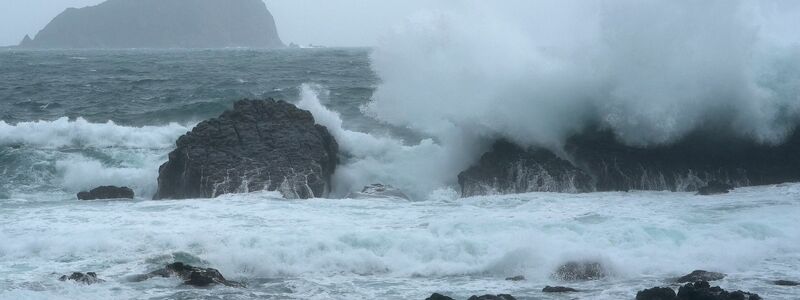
88, 279
558, 289
596, 161
107, 192
258, 145
194, 276
699, 275
580, 271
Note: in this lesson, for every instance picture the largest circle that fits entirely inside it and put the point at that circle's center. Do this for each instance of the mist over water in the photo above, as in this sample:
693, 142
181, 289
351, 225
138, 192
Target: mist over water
539, 72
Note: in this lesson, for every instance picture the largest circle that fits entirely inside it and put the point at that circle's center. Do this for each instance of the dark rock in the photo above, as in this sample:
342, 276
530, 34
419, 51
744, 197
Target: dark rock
597, 161
437, 296
516, 278
558, 289
702, 290
493, 297
657, 293
378, 190
715, 187
699, 275
161, 24
580, 270
786, 283
509, 169
88, 278
259, 145
191, 275
107, 192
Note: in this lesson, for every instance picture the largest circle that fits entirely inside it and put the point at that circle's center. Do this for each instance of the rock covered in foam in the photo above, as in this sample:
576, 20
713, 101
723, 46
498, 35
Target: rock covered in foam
580, 270
107, 192
191, 275
88, 278
258, 145
715, 187
378, 190
509, 169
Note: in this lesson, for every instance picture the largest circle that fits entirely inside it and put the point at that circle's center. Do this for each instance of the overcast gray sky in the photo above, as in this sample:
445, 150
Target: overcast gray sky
326, 22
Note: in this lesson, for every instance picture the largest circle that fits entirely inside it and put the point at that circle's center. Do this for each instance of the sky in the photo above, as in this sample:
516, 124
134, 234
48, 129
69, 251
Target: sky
319, 22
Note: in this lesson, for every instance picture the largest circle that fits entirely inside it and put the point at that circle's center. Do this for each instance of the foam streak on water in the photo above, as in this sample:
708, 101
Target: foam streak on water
335, 249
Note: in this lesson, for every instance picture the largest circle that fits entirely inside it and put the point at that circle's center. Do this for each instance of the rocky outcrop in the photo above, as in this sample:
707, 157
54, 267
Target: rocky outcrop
78, 277
516, 278
699, 275
580, 271
107, 192
657, 293
509, 169
596, 161
558, 289
161, 24
437, 296
380, 191
700, 290
258, 145
194, 276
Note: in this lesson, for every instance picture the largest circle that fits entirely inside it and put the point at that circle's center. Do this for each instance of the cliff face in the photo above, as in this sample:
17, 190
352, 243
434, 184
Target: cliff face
162, 24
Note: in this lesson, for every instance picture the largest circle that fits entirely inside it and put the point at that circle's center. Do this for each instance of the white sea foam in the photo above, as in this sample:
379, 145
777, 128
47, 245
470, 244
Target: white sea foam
76, 155
538, 71
64, 132
333, 249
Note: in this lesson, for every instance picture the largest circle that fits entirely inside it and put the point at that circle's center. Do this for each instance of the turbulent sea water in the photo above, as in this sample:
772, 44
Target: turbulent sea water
76, 120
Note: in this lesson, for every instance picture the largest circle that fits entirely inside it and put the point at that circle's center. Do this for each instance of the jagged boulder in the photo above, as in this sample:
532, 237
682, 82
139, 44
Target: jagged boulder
107, 192
194, 276
700, 275
258, 145
580, 271
78, 277
656, 293
437, 296
510, 169
597, 161
702, 290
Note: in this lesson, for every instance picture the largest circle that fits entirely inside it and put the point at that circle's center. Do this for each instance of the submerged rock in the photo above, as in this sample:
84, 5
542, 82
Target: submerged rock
509, 169
702, 290
715, 187
493, 297
558, 289
437, 296
657, 293
258, 145
378, 190
88, 278
107, 192
516, 278
700, 275
580, 270
190, 275
786, 283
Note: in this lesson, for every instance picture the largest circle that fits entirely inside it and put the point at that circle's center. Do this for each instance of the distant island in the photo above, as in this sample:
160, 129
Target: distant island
161, 24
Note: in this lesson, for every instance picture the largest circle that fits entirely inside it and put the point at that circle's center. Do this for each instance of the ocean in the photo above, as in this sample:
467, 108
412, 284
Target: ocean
73, 120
